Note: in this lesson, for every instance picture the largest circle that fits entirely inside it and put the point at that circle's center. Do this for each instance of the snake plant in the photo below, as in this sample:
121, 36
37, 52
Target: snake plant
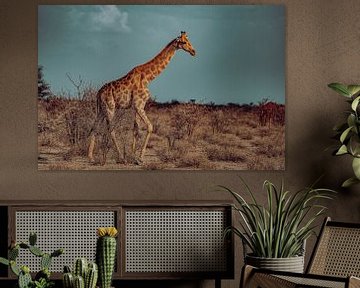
279, 228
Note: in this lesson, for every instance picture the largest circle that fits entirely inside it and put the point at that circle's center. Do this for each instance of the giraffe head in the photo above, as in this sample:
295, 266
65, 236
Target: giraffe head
182, 42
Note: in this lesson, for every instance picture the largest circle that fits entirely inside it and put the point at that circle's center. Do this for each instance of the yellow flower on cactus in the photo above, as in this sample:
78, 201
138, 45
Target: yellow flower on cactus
106, 231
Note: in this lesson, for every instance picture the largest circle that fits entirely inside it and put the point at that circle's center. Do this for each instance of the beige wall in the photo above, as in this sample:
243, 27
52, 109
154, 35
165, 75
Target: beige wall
322, 46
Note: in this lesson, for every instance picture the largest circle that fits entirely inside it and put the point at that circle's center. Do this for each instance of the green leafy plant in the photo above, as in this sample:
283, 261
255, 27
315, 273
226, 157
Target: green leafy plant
279, 229
42, 278
349, 132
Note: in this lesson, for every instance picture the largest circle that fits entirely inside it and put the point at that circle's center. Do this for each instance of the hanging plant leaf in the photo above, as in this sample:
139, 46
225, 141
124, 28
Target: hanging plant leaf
349, 132
353, 89
356, 167
351, 120
355, 103
342, 150
354, 143
340, 88
349, 182
345, 134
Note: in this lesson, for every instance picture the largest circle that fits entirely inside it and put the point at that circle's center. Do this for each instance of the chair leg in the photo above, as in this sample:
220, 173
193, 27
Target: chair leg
217, 282
246, 273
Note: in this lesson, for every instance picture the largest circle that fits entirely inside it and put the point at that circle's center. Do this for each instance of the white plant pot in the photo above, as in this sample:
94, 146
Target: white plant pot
291, 264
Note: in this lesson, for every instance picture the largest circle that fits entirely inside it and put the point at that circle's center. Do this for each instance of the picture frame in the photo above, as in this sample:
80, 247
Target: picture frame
161, 87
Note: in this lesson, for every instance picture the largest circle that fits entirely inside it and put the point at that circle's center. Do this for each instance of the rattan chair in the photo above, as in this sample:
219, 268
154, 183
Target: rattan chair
334, 263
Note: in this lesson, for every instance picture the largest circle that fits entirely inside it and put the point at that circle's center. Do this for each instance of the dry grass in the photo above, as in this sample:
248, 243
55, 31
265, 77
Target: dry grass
228, 154
185, 136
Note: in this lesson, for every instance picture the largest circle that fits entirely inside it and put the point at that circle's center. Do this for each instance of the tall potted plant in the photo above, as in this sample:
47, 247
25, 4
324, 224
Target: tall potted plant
348, 132
276, 233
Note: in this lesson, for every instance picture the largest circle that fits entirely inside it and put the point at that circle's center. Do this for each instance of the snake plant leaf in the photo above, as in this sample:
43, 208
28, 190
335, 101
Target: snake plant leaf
349, 182
342, 150
345, 134
356, 167
340, 88
355, 103
353, 89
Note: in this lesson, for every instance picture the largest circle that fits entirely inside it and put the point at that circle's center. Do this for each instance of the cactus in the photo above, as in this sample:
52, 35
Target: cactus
88, 273
24, 278
57, 253
32, 238
68, 280
91, 276
44, 273
36, 251
4, 261
79, 282
14, 268
105, 254
24, 245
45, 261
13, 253
80, 268
67, 269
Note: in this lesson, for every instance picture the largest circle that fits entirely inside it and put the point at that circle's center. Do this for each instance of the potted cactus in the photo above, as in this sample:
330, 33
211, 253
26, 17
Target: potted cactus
42, 278
106, 254
84, 275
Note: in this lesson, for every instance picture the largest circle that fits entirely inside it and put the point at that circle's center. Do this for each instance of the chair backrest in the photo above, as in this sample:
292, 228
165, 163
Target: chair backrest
337, 251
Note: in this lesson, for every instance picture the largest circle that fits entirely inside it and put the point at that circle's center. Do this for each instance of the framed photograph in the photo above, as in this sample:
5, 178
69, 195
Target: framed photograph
161, 87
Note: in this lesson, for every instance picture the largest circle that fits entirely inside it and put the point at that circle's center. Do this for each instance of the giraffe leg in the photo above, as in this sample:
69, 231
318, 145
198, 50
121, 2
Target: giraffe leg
135, 131
149, 128
136, 135
111, 129
116, 145
92, 138
91, 147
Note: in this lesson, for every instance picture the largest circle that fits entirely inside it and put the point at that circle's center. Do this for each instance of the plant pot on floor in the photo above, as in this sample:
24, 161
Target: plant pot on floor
290, 264
276, 233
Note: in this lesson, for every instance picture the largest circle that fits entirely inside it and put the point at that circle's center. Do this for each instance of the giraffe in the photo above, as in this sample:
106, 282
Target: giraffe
132, 90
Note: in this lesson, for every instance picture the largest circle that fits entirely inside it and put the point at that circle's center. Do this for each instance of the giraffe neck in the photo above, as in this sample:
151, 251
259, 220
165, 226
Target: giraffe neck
155, 66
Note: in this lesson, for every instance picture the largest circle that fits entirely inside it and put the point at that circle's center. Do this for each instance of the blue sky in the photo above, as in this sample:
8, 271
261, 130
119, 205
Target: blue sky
240, 48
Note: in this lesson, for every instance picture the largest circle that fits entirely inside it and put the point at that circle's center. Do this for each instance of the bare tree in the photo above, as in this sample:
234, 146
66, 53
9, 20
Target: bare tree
77, 83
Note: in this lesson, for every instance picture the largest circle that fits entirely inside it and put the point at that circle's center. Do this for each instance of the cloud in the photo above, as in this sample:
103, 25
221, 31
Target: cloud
100, 18
110, 17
